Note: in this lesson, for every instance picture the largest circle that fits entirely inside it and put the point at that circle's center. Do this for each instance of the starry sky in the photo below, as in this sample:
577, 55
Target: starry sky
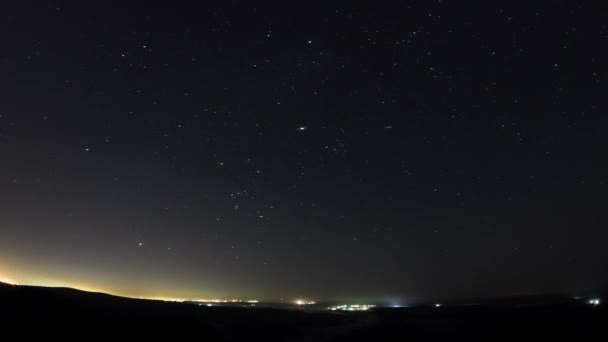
313, 149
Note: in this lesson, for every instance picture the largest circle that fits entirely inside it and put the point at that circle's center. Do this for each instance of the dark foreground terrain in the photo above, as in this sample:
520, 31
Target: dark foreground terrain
27, 312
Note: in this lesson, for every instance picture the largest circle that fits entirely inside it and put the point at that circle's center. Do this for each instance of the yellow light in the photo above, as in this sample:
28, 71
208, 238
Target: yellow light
352, 307
176, 300
9, 282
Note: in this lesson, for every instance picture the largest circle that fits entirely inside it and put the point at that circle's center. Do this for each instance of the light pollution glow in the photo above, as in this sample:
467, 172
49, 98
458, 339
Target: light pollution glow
6, 281
21, 278
83, 287
10, 281
26, 274
51, 274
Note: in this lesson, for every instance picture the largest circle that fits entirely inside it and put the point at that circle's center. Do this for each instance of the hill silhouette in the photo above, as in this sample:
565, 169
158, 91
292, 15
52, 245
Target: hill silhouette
63, 312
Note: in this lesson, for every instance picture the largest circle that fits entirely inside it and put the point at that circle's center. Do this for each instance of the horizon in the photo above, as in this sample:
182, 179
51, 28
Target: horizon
381, 301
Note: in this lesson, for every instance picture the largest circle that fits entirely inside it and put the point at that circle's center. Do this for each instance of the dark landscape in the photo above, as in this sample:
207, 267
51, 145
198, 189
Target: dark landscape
66, 312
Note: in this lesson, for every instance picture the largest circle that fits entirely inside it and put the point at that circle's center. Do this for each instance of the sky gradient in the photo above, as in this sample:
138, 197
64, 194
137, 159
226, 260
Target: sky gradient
322, 150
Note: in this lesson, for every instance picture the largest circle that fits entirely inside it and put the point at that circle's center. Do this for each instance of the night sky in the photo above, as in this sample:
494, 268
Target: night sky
321, 150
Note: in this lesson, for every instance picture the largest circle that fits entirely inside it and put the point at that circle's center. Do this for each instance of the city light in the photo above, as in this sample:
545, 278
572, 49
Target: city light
174, 300
352, 307
304, 302
205, 300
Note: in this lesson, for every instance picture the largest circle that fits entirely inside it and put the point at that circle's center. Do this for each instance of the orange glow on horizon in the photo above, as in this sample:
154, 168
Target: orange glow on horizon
8, 282
43, 281
6, 279
86, 288
82, 287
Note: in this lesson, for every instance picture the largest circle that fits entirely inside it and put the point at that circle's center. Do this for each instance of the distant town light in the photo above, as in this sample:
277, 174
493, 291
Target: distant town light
352, 307
174, 300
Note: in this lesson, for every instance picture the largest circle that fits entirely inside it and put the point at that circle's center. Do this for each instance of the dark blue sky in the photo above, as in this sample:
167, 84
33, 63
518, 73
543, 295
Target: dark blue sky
412, 149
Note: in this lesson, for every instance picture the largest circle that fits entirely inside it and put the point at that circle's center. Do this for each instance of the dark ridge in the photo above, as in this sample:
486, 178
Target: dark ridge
65, 312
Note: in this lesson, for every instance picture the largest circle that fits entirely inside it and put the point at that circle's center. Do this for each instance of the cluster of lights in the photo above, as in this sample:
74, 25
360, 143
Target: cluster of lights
305, 302
253, 301
173, 300
213, 302
207, 302
594, 301
353, 307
